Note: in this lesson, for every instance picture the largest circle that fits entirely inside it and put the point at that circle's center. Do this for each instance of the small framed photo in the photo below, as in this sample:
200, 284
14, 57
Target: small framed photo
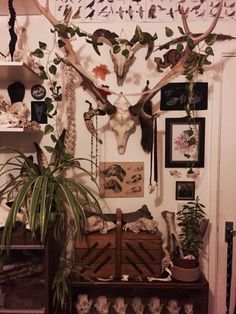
38, 112
185, 143
185, 190
38, 92
174, 96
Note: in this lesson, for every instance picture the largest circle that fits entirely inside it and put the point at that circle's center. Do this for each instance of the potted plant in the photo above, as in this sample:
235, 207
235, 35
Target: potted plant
192, 222
50, 201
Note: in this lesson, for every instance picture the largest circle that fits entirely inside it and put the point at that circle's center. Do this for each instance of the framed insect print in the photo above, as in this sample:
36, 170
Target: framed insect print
121, 179
184, 143
185, 190
174, 96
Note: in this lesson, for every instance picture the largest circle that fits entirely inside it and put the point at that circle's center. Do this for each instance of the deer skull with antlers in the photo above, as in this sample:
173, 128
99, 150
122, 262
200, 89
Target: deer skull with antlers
182, 66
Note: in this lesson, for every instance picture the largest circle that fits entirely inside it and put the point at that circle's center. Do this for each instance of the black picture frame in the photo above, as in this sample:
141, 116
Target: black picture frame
38, 112
174, 96
38, 91
185, 190
180, 150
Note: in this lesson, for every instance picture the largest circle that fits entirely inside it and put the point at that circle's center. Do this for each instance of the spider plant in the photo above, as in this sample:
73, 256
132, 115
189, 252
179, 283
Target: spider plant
43, 191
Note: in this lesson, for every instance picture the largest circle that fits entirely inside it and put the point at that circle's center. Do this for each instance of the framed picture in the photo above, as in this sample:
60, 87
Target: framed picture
121, 179
38, 112
174, 96
185, 190
184, 143
38, 92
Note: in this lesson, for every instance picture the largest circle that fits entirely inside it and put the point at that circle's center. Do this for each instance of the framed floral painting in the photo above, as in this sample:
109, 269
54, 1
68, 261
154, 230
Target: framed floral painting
184, 143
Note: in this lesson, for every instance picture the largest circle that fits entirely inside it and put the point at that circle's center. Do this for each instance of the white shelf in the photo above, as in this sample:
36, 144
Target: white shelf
20, 130
18, 71
22, 7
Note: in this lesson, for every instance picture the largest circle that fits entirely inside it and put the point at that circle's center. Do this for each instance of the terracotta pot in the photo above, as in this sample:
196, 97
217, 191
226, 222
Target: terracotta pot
185, 263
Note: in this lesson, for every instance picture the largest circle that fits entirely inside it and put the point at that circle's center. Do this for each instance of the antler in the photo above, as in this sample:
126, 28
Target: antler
180, 67
73, 61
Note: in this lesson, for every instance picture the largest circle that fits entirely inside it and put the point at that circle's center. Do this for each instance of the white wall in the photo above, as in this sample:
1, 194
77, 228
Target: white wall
163, 198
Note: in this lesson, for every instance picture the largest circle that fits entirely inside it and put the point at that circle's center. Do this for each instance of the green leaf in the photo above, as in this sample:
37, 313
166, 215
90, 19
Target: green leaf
53, 69
190, 43
209, 51
211, 39
53, 138
43, 75
61, 43
168, 32
48, 129
42, 45
38, 53
49, 149
180, 47
71, 31
181, 30
189, 132
57, 60
48, 101
187, 156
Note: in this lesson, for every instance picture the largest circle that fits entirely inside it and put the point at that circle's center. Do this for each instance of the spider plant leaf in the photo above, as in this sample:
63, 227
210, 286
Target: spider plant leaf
35, 203
41, 157
72, 203
16, 206
58, 150
83, 191
47, 191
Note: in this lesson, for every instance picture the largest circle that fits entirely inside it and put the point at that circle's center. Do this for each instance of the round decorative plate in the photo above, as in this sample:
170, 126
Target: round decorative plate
38, 91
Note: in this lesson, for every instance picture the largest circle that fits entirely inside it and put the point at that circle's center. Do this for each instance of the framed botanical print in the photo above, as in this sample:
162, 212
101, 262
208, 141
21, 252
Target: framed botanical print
184, 143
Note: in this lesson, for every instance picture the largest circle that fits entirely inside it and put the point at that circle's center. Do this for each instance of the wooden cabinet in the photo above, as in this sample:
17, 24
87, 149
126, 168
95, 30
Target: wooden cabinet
27, 274
195, 293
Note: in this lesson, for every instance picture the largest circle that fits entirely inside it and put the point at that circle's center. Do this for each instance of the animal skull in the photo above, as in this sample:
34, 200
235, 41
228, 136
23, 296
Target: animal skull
102, 305
173, 307
83, 304
122, 123
137, 305
144, 224
154, 305
188, 308
120, 306
122, 56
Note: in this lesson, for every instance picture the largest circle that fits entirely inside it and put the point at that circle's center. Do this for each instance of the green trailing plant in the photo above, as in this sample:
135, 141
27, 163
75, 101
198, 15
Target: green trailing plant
189, 220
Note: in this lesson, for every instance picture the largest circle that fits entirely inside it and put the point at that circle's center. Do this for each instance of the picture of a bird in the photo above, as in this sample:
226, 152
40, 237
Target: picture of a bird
103, 10
91, 14
161, 8
77, 13
120, 11
141, 12
90, 5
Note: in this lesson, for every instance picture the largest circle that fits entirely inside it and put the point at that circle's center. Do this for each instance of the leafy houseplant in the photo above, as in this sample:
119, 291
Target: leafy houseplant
193, 226
49, 199
190, 217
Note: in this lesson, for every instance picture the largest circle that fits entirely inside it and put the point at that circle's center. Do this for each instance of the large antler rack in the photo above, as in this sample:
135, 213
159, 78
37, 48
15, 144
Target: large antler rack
72, 60
180, 67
